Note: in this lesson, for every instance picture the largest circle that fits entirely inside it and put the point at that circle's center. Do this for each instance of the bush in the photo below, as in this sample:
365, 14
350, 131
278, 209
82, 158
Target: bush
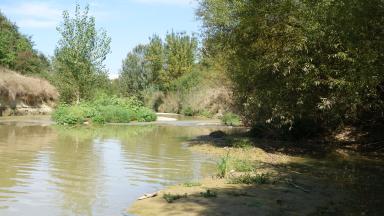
145, 114
170, 197
231, 119
65, 115
188, 111
251, 179
116, 114
208, 194
242, 143
102, 110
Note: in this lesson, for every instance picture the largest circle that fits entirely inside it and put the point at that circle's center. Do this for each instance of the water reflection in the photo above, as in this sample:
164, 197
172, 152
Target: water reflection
81, 171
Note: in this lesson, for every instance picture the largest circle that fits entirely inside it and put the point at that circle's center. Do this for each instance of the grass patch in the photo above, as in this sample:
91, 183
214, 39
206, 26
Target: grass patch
223, 166
242, 143
172, 197
243, 166
231, 119
191, 184
103, 110
208, 194
188, 111
251, 179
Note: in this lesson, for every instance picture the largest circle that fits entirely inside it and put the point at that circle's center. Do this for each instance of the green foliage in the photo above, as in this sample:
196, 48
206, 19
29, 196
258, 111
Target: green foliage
241, 143
104, 110
231, 119
144, 114
298, 64
171, 197
17, 53
205, 113
250, 179
66, 115
158, 64
243, 165
135, 73
188, 111
79, 56
208, 194
223, 166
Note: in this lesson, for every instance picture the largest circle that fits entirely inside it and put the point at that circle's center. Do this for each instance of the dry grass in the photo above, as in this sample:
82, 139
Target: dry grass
29, 90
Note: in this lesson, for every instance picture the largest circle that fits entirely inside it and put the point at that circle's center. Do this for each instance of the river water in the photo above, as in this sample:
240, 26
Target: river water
51, 170
48, 170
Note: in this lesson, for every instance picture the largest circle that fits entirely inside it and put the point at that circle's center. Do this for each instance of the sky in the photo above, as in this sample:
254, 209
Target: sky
127, 22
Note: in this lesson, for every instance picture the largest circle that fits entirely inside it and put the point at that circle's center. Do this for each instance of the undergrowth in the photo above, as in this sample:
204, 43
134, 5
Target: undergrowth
103, 110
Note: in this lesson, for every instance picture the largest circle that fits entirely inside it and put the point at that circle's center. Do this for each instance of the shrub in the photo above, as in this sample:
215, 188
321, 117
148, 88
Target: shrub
115, 114
205, 113
104, 110
242, 143
250, 179
188, 111
171, 197
208, 194
231, 119
144, 114
65, 115
243, 165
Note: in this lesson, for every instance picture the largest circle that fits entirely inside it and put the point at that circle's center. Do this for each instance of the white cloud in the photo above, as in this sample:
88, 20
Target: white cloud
34, 14
168, 2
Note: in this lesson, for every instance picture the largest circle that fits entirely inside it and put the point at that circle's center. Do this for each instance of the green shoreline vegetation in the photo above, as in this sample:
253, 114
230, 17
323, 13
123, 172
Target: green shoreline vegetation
102, 110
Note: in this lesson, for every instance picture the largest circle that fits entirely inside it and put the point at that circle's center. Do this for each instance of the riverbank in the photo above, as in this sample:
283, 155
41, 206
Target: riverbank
264, 181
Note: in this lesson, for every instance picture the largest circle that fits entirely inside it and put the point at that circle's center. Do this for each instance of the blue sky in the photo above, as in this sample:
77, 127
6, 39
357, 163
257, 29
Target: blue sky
127, 22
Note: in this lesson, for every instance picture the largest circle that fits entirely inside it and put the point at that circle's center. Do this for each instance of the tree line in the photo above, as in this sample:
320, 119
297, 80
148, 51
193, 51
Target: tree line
17, 52
301, 67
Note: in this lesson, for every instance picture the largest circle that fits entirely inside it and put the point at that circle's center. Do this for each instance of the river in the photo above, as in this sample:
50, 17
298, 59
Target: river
48, 170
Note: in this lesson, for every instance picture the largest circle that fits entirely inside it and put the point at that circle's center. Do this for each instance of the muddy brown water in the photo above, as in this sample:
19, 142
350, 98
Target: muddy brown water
50, 170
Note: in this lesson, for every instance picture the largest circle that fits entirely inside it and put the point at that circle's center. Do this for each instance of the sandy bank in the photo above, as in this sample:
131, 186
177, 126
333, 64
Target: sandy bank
292, 189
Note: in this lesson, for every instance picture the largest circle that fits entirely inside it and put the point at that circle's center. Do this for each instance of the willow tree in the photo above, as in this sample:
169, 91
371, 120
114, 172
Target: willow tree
300, 64
80, 55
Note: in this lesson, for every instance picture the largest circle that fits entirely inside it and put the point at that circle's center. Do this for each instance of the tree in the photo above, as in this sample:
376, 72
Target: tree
80, 55
136, 73
17, 53
154, 54
180, 56
300, 65
157, 64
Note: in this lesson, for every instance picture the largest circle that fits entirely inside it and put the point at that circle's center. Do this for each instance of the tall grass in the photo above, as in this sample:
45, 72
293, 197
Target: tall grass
30, 90
223, 166
231, 119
